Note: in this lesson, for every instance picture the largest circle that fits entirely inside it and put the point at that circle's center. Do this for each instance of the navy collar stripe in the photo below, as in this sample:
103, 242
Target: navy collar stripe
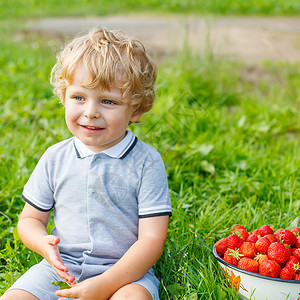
77, 152
130, 148
121, 155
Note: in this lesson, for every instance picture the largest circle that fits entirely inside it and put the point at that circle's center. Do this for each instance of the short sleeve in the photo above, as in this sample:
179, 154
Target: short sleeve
37, 191
153, 197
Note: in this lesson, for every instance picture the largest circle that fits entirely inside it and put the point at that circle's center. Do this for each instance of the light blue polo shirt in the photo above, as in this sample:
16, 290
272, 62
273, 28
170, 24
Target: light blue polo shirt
98, 198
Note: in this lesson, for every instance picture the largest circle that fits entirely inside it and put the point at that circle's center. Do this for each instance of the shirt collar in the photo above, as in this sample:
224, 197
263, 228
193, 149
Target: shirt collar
119, 150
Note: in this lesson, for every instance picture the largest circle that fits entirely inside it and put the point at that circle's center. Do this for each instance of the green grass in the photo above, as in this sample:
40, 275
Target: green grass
36, 8
230, 146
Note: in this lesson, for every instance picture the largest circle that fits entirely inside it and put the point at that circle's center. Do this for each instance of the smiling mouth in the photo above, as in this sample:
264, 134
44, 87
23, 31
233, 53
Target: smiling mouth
92, 127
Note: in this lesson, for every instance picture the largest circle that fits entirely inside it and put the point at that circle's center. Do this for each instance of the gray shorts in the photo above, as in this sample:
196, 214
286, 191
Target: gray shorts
37, 281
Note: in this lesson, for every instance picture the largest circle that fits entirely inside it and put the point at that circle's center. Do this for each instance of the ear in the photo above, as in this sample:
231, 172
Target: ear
136, 117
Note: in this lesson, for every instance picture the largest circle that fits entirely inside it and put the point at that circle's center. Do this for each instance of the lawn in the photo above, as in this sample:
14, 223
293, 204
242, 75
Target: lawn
230, 146
37, 8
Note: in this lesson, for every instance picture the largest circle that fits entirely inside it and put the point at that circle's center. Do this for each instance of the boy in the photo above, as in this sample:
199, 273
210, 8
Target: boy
108, 189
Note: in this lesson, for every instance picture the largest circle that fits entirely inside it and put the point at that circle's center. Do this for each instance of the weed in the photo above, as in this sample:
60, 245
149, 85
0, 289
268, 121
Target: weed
230, 146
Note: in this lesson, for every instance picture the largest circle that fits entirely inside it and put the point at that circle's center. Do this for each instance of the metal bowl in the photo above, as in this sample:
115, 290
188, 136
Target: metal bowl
258, 287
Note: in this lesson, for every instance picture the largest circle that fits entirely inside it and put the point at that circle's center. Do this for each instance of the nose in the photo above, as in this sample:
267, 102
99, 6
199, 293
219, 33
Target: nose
91, 110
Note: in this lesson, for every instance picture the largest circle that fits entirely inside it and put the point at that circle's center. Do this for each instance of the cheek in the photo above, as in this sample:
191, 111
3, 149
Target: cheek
71, 113
118, 120
70, 117
71, 122
68, 120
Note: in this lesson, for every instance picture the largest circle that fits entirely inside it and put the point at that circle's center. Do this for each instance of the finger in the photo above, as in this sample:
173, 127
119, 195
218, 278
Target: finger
58, 264
73, 282
65, 276
53, 240
66, 293
54, 254
56, 260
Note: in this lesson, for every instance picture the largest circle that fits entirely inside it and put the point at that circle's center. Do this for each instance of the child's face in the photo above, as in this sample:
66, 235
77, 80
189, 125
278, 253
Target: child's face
97, 117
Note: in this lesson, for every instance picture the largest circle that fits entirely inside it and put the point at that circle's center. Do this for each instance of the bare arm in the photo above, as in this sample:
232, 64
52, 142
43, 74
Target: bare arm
32, 226
32, 229
134, 264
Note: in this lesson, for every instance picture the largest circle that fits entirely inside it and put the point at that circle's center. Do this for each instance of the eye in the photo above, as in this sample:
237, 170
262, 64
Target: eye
108, 102
78, 98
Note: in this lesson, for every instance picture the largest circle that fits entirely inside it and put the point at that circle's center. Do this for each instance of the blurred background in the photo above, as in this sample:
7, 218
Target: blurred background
251, 31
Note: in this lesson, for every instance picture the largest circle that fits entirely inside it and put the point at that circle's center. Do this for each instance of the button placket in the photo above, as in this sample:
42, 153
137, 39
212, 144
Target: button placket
92, 208
91, 194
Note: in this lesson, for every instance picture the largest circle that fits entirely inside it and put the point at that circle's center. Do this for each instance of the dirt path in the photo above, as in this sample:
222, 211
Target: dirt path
250, 39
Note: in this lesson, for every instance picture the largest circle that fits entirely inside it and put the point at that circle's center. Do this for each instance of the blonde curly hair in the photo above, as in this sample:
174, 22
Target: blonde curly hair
112, 60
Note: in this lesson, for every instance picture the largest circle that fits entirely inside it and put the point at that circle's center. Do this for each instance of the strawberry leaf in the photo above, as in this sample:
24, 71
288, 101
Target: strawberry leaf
61, 284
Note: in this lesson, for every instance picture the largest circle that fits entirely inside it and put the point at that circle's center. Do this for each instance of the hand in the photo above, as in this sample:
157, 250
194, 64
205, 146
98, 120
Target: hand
51, 253
90, 289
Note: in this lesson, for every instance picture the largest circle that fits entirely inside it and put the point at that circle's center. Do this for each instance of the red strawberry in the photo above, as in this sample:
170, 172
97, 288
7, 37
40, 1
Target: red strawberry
287, 273
234, 242
297, 244
278, 252
248, 264
271, 238
266, 229
240, 231
293, 259
296, 253
296, 231
287, 246
297, 277
263, 244
269, 268
221, 246
291, 239
261, 258
257, 232
285, 236
232, 256
248, 249
235, 226
293, 263
253, 238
